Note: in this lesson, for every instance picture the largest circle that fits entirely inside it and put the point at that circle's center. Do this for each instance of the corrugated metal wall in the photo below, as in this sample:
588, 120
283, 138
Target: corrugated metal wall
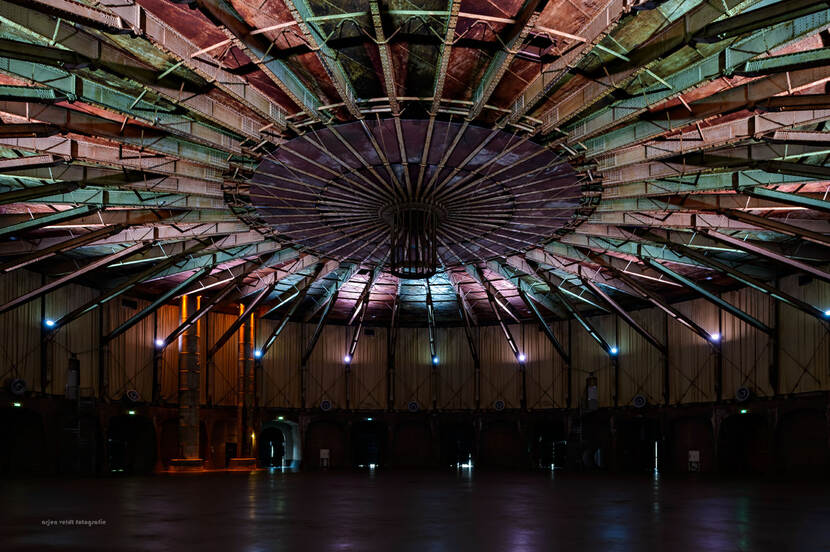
747, 355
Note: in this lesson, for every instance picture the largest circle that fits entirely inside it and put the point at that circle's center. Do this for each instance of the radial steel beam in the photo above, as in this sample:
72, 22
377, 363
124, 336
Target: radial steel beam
648, 295
364, 294
62, 281
302, 291
258, 49
526, 297
127, 285
157, 302
544, 277
45, 220
622, 313
796, 200
497, 312
203, 309
711, 297
444, 59
764, 252
512, 37
74, 11
240, 320
60, 247
748, 280
302, 14
385, 57
759, 18
391, 349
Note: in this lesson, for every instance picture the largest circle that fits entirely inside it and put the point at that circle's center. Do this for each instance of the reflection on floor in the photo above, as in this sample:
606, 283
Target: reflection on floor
420, 510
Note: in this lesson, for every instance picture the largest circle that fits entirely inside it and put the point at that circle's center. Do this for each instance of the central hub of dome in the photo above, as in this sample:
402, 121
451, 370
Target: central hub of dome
413, 195
413, 251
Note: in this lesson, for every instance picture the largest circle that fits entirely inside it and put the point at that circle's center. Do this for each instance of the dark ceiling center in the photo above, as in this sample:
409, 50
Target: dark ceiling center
455, 193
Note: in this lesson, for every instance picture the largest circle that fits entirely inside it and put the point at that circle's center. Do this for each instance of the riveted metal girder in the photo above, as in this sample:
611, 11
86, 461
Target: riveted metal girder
759, 18
303, 15
258, 48
62, 281
648, 295
787, 198
385, 57
709, 296
30, 193
46, 220
443, 61
729, 59
41, 253
263, 294
755, 249
747, 280
479, 276
225, 293
156, 303
133, 281
513, 37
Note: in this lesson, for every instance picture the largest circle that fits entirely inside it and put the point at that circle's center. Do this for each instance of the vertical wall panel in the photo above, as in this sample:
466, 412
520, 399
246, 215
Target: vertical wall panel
641, 364
368, 376
747, 351
804, 357
456, 370
412, 368
546, 371
223, 365
325, 366
589, 357
692, 360
20, 351
281, 365
80, 338
500, 375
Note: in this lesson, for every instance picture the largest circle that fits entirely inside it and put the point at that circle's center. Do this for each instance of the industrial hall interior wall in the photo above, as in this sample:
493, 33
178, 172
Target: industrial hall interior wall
684, 402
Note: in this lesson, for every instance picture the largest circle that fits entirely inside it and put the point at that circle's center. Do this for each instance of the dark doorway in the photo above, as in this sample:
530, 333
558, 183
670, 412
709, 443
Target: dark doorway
635, 444
457, 444
743, 444
801, 446
368, 444
271, 448
22, 441
131, 445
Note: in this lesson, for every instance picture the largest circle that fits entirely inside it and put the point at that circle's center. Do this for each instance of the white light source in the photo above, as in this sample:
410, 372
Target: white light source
715, 336
49, 323
614, 350
159, 342
827, 312
435, 360
347, 359
369, 419
257, 353
522, 357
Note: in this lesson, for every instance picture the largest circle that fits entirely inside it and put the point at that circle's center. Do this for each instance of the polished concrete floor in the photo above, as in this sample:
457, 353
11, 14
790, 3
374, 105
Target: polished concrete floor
423, 511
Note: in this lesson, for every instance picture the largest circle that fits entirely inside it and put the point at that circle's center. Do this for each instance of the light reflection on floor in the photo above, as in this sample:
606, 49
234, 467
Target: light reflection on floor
385, 509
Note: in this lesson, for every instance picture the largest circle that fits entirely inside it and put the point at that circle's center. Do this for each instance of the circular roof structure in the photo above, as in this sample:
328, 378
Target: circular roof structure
494, 193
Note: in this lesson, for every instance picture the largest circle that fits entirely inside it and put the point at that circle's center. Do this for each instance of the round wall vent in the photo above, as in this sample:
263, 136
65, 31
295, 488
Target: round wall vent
413, 406
132, 396
17, 387
325, 405
499, 405
639, 401
743, 394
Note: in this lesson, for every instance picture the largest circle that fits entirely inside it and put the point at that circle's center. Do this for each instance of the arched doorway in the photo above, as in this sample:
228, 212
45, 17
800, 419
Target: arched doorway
272, 448
131, 445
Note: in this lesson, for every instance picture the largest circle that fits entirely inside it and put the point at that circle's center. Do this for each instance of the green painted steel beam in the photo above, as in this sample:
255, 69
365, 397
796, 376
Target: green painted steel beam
46, 220
155, 304
709, 296
759, 18
787, 198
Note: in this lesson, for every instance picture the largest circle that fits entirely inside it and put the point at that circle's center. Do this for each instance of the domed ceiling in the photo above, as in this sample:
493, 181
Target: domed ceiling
544, 159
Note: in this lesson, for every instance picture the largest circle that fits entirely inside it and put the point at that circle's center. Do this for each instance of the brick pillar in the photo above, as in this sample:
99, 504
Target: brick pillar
189, 383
